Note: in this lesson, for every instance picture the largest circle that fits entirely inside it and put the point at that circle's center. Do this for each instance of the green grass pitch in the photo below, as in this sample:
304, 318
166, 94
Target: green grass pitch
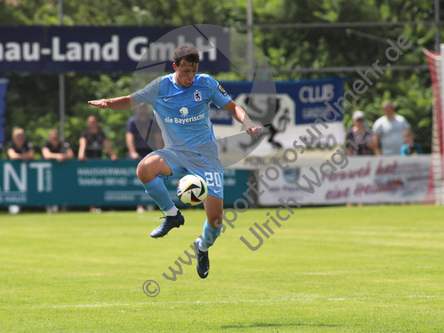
357, 269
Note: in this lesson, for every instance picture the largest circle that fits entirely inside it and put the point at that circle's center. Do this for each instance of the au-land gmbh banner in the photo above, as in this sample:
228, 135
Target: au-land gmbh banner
93, 182
105, 49
297, 105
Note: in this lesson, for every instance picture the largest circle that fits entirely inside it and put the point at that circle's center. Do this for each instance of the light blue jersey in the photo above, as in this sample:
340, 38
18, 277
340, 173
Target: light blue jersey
183, 112
184, 118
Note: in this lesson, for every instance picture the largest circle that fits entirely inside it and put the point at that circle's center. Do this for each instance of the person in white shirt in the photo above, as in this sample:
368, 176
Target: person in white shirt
388, 130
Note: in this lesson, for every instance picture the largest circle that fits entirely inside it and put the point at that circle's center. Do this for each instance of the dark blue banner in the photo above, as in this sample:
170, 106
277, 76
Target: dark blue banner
107, 49
3, 89
304, 98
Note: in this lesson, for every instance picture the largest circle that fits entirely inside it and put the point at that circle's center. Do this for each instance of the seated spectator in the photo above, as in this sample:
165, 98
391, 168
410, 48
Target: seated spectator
19, 148
93, 140
410, 147
141, 129
358, 133
388, 129
53, 149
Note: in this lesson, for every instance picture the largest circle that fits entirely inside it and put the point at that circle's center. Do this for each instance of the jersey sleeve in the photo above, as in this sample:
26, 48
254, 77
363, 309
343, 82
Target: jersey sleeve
149, 93
218, 95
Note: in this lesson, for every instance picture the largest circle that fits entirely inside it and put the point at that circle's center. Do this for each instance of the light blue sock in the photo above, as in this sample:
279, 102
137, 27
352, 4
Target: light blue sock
159, 193
209, 235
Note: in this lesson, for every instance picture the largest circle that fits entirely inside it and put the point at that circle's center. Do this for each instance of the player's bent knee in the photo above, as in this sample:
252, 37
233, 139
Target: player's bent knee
145, 172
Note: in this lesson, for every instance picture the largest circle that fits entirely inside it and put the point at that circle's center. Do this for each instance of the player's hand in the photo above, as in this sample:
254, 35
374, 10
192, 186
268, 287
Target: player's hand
101, 103
252, 129
82, 158
113, 157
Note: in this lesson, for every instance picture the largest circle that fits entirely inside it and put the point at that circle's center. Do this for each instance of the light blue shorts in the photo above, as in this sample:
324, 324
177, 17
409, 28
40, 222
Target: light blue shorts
186, 163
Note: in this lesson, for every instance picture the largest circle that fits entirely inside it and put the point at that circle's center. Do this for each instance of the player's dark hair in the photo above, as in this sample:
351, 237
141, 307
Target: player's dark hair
187, 53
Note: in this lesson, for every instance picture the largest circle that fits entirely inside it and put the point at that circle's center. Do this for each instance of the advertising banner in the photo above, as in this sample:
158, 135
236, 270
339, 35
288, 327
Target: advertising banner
368, 180
93, 182
297, 105
3, 89
106, 49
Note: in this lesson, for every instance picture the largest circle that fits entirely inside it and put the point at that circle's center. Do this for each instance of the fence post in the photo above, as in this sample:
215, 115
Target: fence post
61, 87
250, 37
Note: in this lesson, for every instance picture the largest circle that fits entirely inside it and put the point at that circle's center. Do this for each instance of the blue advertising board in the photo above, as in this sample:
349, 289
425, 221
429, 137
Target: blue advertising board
308, 97
93, 182
107, 49
287, 113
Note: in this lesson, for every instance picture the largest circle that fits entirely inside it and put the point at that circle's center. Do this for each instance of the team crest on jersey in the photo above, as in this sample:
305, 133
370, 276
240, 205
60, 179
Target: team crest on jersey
222, 90
198, 96
184, 112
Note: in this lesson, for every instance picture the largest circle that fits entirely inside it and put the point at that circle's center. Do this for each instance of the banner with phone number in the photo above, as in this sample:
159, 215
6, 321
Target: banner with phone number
93, 182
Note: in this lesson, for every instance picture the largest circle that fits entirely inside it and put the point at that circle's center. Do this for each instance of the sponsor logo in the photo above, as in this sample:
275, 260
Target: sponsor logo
316, 93
185, 120
184, 112
222, 90
198, 96
67, 48
291, 175
167, 99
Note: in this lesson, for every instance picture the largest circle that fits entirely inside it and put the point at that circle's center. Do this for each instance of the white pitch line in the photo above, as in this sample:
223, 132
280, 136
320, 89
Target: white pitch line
233, 301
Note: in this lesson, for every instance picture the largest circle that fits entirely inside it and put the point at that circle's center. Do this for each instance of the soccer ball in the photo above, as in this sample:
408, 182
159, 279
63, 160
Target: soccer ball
192, 190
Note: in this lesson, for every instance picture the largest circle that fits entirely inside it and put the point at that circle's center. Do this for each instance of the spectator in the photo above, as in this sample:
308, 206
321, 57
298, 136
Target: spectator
359, 134
139, 129
19, 149
388, 129
53, 149
92, 142
410, 147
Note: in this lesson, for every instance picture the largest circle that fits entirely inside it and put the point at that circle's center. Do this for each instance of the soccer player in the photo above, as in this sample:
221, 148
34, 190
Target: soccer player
181, 104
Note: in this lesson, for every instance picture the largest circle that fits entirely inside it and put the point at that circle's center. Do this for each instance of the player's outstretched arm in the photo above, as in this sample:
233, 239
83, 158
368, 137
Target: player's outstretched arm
241, 116
118, 103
